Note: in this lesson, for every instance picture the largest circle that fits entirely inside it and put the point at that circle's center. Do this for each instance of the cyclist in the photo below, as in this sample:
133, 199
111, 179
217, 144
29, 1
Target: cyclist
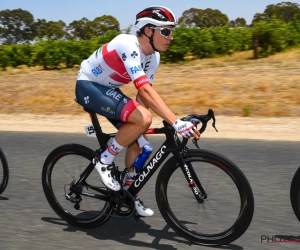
124, 59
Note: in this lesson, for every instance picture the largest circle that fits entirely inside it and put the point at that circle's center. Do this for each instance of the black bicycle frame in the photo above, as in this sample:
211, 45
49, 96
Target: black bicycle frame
171, 145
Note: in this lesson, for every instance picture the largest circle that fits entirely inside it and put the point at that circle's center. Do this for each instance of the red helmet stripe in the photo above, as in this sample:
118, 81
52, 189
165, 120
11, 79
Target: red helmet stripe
168, 15
144, 13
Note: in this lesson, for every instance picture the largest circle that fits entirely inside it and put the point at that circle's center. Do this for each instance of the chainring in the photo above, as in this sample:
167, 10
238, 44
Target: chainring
122, 203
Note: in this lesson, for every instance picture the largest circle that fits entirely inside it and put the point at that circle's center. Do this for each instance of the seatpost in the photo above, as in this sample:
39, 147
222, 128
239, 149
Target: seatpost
101, 137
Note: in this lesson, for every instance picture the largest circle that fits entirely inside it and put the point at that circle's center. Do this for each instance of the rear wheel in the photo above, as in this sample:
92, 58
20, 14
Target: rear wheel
223, 216
61, 168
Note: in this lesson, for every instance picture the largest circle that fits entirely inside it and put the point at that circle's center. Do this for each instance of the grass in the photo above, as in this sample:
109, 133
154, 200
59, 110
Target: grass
233, 85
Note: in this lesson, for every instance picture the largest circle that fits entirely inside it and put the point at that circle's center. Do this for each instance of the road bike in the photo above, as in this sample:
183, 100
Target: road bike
203, 196
4, 172
295, 193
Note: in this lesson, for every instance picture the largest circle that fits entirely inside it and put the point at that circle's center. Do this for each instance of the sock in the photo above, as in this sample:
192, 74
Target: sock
132, 174
142, 141
108, 156
129, 179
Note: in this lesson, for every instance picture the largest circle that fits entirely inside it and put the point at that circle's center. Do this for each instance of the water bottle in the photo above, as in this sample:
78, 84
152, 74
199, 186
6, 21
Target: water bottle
142, 157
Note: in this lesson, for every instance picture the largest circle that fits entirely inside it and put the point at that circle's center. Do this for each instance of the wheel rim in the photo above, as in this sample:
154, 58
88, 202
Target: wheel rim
58, 182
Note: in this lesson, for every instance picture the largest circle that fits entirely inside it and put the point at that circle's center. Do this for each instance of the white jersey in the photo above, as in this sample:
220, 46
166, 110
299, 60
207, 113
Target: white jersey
119, 62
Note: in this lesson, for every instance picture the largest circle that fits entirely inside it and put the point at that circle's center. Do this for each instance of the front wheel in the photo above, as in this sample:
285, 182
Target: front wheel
4, 172
228, 203
295, 193
61, 169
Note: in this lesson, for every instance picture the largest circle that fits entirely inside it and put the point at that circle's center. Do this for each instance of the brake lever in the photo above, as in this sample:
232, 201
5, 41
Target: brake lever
195, 142
211, 112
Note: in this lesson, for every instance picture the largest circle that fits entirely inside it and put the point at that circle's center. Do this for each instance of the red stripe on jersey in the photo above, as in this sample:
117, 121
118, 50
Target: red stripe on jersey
100, 67
168, 15
113, 60
128, 109
115, 76
141, 81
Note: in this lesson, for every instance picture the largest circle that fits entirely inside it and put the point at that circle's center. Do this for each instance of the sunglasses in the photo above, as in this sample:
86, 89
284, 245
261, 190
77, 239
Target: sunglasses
165, 32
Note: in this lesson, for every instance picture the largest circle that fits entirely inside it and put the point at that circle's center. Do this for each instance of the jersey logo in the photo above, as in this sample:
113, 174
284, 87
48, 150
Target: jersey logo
146, 66
108, 110
139, 82
134, 54
97, 71
136, 69
124, 57
114, 94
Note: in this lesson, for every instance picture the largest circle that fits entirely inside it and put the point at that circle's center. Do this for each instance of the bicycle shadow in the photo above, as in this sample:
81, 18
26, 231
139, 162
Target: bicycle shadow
125, 230
4, 198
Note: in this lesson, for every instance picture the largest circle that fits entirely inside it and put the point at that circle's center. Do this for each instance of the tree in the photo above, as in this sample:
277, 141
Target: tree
16, 26
57, 30
238, 22
52, 29
80, 29
285, 11
40, 28
85, 29
127, 30
203, 18
104, 23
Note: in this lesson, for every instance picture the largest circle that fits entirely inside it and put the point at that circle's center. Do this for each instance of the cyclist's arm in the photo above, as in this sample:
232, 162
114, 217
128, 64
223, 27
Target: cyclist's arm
150, 71
152, 99
139, 100
141, 81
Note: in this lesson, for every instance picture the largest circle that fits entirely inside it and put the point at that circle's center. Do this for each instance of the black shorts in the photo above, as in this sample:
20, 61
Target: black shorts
108, 102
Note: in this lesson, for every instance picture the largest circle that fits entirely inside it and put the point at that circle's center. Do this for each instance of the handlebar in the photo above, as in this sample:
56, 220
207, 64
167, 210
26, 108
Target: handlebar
196, 119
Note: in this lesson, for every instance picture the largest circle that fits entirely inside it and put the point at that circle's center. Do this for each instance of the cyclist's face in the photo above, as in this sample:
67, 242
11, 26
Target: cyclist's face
162, 37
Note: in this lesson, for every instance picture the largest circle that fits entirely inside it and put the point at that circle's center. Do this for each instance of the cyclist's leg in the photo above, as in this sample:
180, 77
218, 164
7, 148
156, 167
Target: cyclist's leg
133, 120
131, 153
133, 149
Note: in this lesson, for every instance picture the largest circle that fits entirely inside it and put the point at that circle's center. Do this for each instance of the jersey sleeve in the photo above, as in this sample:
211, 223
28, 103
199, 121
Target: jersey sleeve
131, 58
150, 72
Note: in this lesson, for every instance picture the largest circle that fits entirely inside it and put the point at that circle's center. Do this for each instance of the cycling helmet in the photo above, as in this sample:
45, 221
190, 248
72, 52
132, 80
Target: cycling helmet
156, 15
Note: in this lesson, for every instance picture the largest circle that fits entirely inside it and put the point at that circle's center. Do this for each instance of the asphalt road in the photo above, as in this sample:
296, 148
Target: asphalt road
28, 222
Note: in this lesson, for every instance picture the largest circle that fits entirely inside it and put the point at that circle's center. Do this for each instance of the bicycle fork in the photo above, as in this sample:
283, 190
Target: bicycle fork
193, 181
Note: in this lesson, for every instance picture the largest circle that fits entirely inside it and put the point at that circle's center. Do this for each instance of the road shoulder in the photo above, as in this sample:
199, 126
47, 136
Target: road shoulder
283, 129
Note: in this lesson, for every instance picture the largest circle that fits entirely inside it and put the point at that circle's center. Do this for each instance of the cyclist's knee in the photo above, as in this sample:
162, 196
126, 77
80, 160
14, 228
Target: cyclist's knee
142, 117
147, 118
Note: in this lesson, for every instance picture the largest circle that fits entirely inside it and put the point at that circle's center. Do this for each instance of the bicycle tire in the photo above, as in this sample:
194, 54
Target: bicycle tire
51, 160
295, 193
246, 210
5, 177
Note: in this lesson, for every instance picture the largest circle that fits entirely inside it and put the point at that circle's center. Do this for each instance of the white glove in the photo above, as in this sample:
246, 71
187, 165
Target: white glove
184, 128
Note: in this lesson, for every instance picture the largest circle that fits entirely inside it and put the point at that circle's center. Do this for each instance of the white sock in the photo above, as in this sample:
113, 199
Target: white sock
108, 156
132, 174
128, 179
142, 141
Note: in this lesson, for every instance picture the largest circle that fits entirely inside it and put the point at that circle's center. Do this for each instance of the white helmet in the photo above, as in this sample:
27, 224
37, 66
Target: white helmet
156, 15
